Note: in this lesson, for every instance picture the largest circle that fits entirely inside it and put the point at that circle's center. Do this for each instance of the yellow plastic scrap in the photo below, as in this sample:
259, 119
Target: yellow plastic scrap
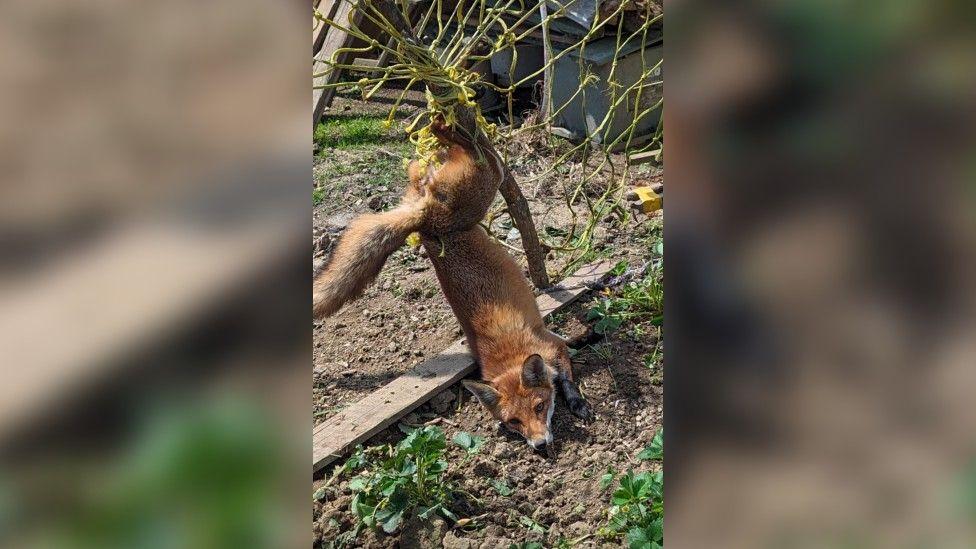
413, 240
648, 199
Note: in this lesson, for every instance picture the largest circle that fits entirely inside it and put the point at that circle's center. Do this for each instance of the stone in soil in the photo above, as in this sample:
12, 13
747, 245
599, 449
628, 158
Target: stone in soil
452, 541
423, 534
375, 202
442, 402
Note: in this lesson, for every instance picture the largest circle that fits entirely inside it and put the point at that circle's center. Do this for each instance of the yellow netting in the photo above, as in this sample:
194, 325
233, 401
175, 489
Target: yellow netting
476, 30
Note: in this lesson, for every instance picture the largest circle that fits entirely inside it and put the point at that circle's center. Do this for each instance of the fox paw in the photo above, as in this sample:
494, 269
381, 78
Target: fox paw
580, 408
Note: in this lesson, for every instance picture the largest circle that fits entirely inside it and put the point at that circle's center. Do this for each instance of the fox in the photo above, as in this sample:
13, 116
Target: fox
449, 195
522, 363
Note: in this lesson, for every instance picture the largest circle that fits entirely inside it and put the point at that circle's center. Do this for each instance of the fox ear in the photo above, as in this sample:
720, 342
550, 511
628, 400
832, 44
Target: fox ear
535, 373
485, 393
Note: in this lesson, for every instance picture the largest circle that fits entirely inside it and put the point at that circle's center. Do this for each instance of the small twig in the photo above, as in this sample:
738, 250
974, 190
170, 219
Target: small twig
581, 538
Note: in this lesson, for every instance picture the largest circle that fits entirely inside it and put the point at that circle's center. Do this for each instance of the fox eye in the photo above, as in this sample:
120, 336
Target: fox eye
538, 408
514, 423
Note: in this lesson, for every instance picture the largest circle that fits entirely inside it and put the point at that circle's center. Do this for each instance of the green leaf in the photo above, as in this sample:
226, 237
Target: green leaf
555, 231
357, 484
619, 269
438, 467
470, 443
654, 451
637, 538
362, 509
319, 494
389, 519
642, 486
532, 525
501, 487
607, 478
448, 514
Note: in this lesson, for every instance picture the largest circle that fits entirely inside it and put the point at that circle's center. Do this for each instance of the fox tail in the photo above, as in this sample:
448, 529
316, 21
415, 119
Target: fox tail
360, 255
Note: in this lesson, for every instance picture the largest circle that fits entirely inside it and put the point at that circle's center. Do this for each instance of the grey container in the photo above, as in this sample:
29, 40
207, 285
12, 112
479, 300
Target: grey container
528, 62
583, 114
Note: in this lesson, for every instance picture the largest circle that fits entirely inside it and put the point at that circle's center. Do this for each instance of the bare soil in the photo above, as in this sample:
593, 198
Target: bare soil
403, 319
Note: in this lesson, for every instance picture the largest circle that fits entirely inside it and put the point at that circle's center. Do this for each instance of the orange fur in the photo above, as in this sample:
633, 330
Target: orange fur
498, 313
453, 196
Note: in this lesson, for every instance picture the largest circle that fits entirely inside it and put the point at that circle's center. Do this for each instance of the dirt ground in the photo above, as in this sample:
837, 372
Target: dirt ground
403, 319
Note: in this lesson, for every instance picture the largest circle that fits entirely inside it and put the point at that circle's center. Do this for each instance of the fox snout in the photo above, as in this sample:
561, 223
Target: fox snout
538, 443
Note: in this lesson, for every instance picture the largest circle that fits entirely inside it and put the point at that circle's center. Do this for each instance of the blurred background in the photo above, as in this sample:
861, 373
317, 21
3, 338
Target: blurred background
154, 280
154, 334
821, 351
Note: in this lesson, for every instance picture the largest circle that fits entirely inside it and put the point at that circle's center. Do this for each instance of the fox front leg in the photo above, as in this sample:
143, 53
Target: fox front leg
574, 400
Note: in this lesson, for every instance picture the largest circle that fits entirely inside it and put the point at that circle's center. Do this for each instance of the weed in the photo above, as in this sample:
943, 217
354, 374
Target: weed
318, 195
637, 301
603, 351
409, 481
619, 269
651, 360
557, 319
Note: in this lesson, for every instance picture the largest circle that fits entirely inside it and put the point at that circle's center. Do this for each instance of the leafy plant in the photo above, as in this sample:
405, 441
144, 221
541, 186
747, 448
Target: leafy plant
637, 506
409, 481
318, 195
637, 301
608, 316
655, 450
637, 510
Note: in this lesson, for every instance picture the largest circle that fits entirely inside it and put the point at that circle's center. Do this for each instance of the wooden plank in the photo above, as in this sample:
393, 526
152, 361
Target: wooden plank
334, 40
328, 9
365, 62
381, 408
98, 316
643, 157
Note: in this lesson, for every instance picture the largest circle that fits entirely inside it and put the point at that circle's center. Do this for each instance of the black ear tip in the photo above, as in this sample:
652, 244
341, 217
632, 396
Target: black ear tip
482, 391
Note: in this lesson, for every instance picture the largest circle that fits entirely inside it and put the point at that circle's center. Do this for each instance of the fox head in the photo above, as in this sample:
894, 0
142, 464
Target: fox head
523, 399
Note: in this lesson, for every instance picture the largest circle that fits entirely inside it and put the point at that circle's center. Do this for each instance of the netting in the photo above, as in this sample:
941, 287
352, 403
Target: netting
600, 76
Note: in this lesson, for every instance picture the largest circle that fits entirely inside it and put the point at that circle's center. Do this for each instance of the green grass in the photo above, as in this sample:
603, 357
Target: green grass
343, 132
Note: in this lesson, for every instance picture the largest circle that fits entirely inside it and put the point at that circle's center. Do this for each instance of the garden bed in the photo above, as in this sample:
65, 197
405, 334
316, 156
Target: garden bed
503, 493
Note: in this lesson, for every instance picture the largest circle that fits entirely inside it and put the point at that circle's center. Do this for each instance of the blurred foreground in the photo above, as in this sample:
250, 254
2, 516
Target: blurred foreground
154, 283
821, 332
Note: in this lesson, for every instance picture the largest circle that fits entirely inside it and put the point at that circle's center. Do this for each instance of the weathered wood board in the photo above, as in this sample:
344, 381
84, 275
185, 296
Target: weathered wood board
334, 39
643, 157
328, 9
378, 410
